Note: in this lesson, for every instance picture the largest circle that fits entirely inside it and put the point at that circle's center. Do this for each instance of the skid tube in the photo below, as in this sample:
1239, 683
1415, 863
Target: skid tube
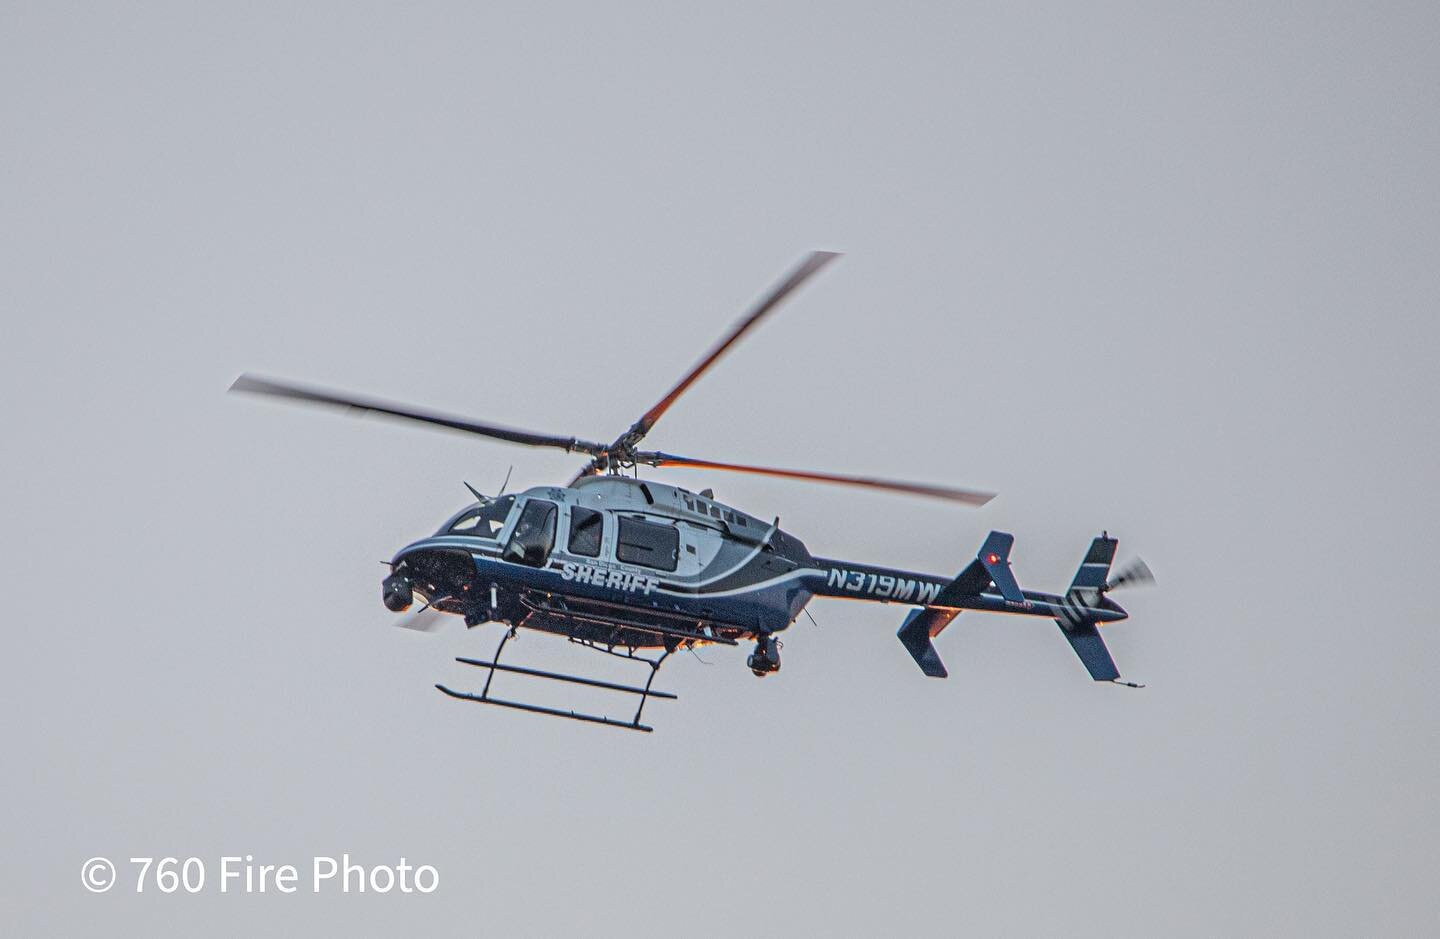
494, 665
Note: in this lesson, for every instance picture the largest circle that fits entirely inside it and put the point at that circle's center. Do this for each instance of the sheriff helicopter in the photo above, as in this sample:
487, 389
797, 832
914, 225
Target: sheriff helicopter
640, 569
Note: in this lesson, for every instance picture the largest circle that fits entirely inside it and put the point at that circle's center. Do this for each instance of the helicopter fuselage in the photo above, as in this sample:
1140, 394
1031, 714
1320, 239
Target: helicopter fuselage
623, 562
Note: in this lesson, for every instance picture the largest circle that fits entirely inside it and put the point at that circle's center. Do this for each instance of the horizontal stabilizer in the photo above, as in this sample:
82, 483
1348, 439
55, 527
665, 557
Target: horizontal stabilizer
972, 582
915, 634
991, 565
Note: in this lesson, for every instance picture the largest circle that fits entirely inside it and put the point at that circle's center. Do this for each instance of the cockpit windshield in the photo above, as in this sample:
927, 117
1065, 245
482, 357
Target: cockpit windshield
484, 521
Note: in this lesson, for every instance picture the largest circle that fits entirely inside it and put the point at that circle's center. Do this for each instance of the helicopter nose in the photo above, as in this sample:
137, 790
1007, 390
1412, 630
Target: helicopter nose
396, 593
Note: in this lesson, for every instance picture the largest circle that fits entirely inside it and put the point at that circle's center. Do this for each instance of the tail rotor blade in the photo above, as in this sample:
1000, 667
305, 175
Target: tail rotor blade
1137, 572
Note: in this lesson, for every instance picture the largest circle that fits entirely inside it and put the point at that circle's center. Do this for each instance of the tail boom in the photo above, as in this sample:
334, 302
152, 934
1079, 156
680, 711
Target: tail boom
986, 585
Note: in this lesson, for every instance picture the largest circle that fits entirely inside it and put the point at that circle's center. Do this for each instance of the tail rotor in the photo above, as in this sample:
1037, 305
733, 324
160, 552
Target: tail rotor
1136, 573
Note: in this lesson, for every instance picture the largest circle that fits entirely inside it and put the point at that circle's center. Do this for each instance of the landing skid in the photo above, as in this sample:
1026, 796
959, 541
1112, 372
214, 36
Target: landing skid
494, 665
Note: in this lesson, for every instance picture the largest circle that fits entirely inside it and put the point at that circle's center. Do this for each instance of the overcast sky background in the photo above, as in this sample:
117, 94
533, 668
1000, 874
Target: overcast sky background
1170, 271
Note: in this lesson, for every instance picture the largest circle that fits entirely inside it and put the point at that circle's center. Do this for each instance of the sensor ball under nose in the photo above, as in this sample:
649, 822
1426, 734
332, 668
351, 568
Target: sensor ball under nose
397, 593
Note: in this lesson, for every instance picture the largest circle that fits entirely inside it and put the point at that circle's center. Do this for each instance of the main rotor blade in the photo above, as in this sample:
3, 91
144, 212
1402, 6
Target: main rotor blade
812, 263
968, 496
253, 384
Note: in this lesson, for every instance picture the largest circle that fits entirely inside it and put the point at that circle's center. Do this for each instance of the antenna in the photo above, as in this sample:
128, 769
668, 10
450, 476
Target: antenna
507, 479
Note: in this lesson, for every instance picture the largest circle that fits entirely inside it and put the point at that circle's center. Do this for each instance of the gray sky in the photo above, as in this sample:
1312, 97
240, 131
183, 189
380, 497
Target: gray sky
1169, 271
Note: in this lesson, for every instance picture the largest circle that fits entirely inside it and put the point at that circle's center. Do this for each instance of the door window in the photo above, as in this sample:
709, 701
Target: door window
586, 527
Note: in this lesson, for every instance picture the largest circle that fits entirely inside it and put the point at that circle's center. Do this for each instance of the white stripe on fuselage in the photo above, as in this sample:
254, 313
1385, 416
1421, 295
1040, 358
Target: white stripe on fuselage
636, 582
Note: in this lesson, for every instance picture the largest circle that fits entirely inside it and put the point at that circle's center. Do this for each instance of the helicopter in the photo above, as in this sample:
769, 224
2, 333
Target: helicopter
640, 569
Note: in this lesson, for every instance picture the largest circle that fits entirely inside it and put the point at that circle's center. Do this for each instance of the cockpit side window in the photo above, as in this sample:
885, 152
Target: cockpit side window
486, 521
586, 526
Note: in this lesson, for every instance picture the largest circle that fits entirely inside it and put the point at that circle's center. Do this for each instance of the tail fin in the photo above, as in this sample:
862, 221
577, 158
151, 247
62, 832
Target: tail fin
1076, 624
1085, 639
1096, 566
